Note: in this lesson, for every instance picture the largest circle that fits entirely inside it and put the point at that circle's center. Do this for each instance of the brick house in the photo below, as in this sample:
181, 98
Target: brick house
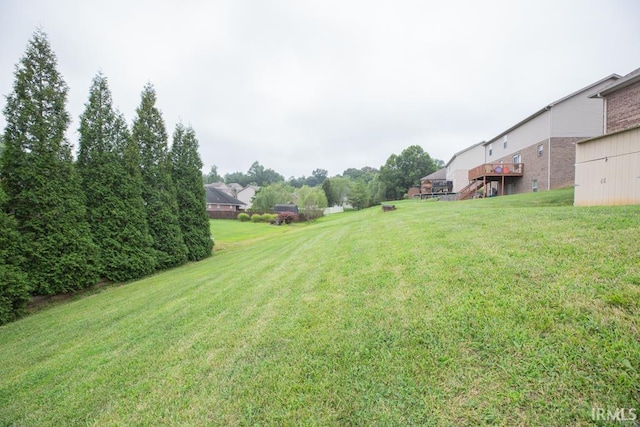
219, 201
608, 167
622, 103
538, 153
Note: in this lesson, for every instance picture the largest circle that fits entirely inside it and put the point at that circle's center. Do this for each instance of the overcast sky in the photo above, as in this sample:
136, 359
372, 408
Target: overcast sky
299, 85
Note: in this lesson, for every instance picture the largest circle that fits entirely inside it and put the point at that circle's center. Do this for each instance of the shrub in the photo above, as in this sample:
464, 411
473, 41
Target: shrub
256, 218
243, 217
287, 217
311, 214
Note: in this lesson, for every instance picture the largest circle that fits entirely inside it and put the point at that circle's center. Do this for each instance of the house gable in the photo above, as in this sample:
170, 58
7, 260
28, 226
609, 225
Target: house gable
217, 199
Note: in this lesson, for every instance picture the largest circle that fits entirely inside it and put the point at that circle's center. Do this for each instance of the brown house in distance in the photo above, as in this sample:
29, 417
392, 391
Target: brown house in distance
435, 185
222, 205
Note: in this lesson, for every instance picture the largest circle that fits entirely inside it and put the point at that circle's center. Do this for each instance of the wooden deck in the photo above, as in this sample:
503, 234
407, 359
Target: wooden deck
496, 170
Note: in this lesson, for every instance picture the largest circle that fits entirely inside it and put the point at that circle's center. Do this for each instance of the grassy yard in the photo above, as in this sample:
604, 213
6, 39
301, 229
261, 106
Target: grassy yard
518, 310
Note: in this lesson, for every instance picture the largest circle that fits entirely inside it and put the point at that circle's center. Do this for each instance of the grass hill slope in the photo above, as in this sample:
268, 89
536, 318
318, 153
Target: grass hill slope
518, 310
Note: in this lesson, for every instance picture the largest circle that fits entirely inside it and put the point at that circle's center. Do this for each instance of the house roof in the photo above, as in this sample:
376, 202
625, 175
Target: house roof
249, 187
629, 79
439, 174
217, 185
550, 106
219, 197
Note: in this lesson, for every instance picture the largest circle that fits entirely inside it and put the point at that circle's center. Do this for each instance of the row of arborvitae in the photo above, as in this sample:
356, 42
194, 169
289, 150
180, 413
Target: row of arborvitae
126, 208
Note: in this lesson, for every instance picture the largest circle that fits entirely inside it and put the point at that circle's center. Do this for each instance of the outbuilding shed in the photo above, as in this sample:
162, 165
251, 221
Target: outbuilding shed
608, 169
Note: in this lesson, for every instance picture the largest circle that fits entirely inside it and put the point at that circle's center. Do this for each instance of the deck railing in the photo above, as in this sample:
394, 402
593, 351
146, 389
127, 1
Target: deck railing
496, 169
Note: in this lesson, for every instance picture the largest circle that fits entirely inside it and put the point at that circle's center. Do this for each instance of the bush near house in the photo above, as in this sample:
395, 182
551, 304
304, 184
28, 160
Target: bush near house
270, 218
287, 218
243, 217
256, 218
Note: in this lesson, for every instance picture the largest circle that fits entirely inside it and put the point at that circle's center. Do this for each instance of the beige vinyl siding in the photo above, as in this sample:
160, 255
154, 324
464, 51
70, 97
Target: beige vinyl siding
578, 117
458, 168
530, 132
608, 170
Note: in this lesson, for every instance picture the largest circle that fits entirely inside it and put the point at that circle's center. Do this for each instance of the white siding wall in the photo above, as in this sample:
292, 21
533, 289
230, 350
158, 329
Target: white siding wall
608, 170
578, 116
246, 195
531, 132
458, 169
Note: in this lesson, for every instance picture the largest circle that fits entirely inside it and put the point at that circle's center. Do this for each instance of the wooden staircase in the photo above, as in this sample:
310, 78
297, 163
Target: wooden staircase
471, 189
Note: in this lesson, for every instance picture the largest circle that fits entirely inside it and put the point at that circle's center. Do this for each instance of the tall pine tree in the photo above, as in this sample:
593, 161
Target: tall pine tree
14, 288
158, 191
115, 209
40, 179
187, 176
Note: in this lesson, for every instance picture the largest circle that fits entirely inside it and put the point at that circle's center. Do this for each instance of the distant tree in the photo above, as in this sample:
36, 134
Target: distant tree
297, 182
339, 189
267, 197
367, 173
311, 202
326, 187
115, 209
40, 180
158, 191
377, 191
439, 163
212, 176
310, 181
14, 286
405, 170
194, 221
320, 175
359, 196
238, 177
258, 175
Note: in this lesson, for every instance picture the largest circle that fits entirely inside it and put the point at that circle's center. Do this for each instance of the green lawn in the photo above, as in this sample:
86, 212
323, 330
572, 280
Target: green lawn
518, 310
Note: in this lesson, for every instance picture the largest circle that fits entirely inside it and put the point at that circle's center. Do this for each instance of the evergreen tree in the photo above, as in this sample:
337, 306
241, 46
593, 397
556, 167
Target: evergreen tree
158, 191
14, 289
115, 209
212, 176
40, 179
359, 197
187, 177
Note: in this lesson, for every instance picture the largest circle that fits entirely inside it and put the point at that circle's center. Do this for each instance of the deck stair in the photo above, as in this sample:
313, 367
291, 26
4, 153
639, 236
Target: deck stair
470, 190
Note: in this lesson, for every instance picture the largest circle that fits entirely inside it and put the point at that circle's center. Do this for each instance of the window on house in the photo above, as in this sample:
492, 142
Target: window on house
490, 149
517, 159
540, 150
534, 185
504, 141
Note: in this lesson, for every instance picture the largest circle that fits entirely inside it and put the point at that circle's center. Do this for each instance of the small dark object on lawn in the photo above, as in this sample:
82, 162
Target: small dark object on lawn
386, 208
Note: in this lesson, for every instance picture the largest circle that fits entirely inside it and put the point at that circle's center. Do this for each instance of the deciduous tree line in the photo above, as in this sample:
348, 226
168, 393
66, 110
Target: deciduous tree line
364, 187
127, 207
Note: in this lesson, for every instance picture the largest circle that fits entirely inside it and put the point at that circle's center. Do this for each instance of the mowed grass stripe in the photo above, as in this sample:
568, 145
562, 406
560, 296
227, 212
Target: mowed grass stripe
510, 311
